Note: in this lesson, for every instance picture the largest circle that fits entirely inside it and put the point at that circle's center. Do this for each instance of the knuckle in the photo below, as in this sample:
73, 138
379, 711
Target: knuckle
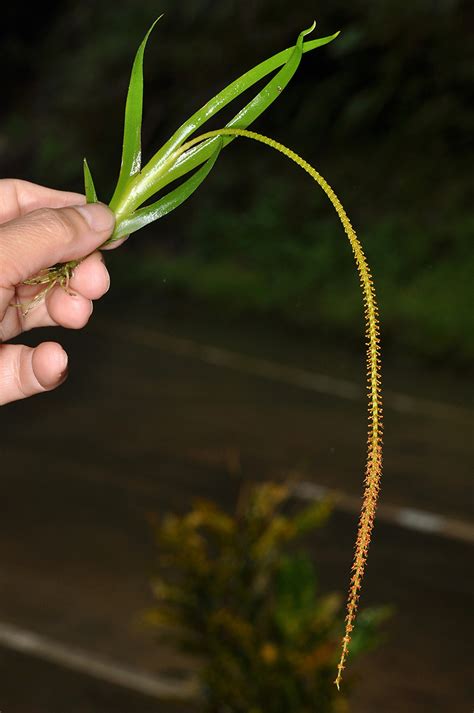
9, 202
13, 185
9, 184
17, 371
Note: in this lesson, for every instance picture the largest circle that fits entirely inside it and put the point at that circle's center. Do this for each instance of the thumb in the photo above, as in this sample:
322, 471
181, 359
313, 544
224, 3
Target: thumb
47, 236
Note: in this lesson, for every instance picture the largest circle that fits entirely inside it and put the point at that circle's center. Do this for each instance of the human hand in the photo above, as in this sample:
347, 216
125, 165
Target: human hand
40, 227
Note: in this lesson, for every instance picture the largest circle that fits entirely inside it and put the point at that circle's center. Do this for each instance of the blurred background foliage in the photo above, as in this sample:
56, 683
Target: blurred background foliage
234, 590
382, 112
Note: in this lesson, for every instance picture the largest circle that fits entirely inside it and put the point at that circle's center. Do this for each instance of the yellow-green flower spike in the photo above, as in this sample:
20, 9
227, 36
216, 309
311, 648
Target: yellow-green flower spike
373, 470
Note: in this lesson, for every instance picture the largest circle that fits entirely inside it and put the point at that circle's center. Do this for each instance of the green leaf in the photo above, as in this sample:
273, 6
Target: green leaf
131, 151
295, 594
150, 182
91, 194
167, 203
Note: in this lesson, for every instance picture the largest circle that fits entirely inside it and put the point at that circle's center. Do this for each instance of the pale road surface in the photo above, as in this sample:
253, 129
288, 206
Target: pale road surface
146, 422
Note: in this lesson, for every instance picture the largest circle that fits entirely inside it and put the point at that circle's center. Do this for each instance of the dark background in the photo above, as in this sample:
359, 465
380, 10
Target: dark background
255, 263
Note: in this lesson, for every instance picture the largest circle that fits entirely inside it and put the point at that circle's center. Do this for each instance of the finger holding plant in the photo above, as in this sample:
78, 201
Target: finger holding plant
185, 153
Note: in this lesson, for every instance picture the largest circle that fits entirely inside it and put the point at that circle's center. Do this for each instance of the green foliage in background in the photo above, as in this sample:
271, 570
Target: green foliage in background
384, 114
265, 261
233, 590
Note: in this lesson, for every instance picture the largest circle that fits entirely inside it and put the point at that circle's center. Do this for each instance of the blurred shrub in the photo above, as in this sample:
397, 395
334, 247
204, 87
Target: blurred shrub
233, 591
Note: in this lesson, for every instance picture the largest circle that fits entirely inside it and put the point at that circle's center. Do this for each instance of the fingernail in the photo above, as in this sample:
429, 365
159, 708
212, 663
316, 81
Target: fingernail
62, 363
108, 280
97, 216
62, 372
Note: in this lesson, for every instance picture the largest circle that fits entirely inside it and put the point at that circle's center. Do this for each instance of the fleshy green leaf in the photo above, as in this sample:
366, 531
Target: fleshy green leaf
167, 203
131, 151
290, 58
91, 194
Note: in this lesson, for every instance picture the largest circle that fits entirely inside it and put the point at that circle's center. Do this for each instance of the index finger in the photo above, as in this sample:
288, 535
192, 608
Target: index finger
18, 197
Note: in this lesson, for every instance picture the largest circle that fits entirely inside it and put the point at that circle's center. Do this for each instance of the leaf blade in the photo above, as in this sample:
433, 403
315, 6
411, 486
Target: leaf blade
233, 90
219, 101
131, 148
250, 112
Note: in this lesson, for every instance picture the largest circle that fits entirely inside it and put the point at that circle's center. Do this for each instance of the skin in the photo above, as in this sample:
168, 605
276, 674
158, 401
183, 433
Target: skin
40, 227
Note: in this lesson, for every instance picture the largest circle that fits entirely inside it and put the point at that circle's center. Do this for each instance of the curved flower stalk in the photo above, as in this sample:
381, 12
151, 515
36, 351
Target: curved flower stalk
373, 470
180, 155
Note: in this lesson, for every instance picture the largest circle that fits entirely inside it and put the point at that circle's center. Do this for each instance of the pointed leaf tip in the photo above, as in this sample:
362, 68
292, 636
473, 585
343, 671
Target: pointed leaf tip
153, 24
309, 30
91, 195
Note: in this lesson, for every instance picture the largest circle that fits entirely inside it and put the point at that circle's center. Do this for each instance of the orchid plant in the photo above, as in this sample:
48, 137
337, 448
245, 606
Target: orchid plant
192, 157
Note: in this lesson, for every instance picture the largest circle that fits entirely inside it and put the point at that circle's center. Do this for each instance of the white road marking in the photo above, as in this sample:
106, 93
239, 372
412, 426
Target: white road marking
87, 662
294, 376
409, 518
413, 519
